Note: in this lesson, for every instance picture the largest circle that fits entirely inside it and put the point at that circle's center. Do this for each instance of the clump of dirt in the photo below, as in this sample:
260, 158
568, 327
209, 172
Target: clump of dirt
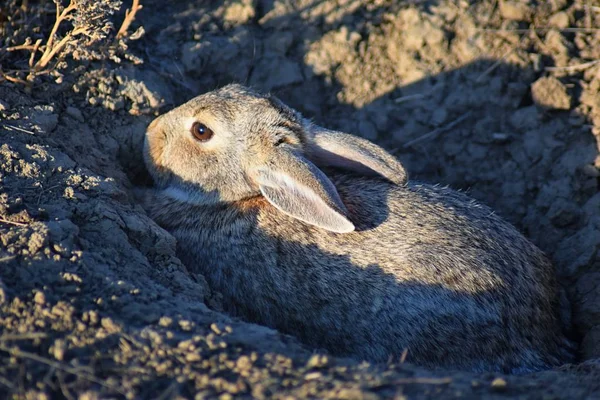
498, 98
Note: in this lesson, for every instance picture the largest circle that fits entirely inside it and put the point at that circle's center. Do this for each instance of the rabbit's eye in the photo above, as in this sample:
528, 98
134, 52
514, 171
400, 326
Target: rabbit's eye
201, 132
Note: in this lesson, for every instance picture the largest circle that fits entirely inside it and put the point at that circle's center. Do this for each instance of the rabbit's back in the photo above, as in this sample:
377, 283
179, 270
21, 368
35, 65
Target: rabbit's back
427, 269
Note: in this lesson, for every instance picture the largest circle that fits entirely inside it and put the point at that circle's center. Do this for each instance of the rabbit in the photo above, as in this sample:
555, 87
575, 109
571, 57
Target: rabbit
320, 234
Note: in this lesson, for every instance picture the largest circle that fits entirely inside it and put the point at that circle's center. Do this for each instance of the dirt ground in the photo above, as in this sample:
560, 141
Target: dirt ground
495, 97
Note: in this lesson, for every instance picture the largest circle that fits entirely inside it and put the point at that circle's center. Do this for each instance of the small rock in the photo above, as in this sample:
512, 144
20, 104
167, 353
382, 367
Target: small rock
288, 72
58, 349
312, 376
186, 325
147, 90
88, 396
549, 92
558, 45
515, 10
590, 170
192, 357
243, 363
413, 38
75, 113
216, 329
108, 324
4, 105
240, 12
524, 118
559, 20
3, 293
499, 384
39, 298
44, 118
317, 361
37, 241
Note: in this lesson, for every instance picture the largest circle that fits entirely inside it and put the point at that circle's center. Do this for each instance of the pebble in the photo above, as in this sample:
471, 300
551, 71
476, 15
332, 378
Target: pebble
514, 10
75, 113
549, 92
317, 361
39, 298
499, 384
559, 20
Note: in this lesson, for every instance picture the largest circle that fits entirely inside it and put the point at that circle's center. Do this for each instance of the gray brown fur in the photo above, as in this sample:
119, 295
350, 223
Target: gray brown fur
425, 269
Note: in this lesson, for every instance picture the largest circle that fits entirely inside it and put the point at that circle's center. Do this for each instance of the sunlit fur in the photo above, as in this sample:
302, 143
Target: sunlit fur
427, 269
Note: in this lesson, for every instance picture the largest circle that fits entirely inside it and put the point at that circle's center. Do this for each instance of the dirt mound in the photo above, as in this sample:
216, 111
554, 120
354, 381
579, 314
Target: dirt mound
93, 299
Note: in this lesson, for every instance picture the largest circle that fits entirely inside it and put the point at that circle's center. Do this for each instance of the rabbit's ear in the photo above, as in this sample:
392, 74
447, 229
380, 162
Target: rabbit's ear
337, 149
298, 188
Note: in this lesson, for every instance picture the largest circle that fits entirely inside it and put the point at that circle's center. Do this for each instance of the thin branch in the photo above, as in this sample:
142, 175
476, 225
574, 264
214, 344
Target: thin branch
495, 64
6, 221
60, 17
13, 79
539, 29
59, 366
35, 49
6, 383
18, 128
576, 67
439, 130
47, 57
403, 356
30, 47
129, 18
408, 381
410, 97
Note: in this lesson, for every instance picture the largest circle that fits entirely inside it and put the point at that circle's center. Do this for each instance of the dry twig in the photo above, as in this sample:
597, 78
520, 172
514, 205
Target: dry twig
539, 29
6, 221
78, 372
496, 64
52, 48
576, 67
437, 131
129, 18
17, 128
423, 380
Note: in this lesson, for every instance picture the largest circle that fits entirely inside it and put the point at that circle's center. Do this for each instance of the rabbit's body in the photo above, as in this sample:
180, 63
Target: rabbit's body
419, 267
457, 287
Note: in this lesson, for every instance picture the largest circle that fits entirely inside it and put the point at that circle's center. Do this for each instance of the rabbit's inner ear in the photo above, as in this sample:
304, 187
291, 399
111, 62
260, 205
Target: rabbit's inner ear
301, 190
337, 149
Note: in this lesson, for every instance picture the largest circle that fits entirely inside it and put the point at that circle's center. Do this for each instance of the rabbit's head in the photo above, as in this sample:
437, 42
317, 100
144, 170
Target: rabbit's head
233, 143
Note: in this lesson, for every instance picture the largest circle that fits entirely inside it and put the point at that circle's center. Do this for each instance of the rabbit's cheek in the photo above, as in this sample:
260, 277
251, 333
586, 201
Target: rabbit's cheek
155, 151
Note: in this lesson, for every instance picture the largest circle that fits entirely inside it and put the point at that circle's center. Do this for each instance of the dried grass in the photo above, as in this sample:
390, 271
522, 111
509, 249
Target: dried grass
81, 30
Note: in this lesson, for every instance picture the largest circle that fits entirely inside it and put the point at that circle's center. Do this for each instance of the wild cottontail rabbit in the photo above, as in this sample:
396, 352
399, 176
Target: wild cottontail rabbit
352, 258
